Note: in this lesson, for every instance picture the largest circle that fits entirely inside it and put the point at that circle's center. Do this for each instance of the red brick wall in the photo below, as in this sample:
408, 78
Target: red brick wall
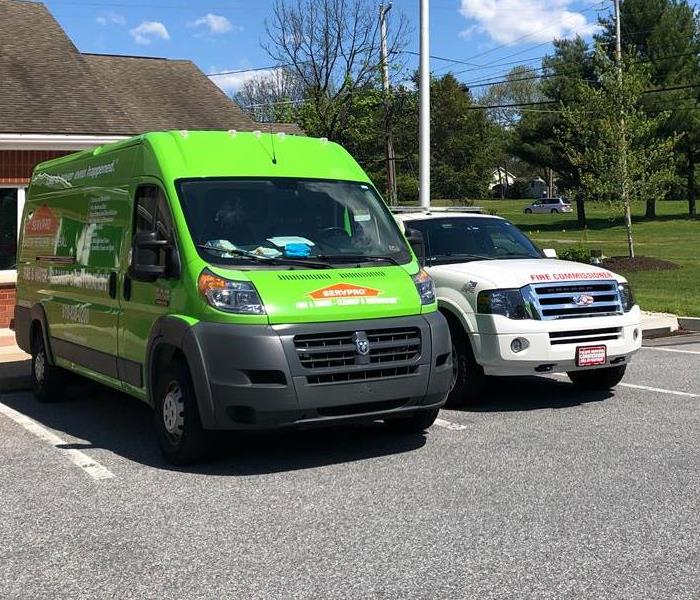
16, 165
7, 304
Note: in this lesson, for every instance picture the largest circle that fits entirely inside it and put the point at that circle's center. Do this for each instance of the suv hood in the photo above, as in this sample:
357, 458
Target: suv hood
296, 296
517, 273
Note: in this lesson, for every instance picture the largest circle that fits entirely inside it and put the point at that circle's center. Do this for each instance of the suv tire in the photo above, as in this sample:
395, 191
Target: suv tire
417, 423
528, 211
598, 379
178, 425
554, 211
469, 380
47, 380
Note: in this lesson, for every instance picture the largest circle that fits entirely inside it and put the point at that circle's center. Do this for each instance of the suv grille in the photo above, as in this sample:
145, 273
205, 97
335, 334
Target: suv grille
585, 336
557, 301
334, 356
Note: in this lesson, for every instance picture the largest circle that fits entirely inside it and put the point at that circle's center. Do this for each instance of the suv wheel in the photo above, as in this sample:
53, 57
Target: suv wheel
598, 379
468, 379
178, 425
554, 211
528, 211
47, 380
417, 423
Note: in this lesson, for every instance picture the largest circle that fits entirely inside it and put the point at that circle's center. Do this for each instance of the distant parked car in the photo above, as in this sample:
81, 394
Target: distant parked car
549, 205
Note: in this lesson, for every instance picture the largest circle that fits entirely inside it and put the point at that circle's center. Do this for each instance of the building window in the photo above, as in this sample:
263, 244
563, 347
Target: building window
8, 228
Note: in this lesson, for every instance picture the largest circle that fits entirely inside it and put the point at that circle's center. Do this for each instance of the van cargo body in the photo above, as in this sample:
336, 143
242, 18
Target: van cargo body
239, 280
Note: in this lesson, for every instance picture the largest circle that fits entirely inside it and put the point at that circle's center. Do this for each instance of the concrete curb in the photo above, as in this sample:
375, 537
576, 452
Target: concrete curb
689, 323
14, 375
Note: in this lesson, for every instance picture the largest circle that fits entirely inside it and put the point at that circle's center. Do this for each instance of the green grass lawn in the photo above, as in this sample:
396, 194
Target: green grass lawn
671, 236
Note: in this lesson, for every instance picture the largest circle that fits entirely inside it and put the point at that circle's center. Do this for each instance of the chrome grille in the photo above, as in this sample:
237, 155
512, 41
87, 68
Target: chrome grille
584, 336
556, 301
334, 356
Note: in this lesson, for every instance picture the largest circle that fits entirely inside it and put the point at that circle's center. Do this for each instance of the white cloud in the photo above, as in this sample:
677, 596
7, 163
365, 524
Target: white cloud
111, 18
149, 30
506, 21
232, 82
216, 24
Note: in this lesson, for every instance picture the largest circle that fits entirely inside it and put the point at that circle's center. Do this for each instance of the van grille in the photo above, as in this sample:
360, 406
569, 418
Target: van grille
584, 336
335, 357
557, 301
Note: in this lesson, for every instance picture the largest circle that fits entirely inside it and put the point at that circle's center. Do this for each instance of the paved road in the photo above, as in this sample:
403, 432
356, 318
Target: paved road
539, 492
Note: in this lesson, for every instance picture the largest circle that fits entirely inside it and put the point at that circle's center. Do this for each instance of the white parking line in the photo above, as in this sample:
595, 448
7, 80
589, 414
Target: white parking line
78, 458
659, 390
449, 425
670, 350
645, 387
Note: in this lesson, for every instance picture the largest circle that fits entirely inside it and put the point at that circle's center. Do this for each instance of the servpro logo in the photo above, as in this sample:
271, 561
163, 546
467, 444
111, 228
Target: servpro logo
344, 290
42, 222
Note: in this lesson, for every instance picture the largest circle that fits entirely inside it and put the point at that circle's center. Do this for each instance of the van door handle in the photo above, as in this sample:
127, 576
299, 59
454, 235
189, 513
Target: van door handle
113, 284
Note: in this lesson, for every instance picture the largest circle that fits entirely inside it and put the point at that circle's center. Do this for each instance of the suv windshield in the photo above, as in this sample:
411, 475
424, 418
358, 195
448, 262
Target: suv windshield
464, 239
310, 222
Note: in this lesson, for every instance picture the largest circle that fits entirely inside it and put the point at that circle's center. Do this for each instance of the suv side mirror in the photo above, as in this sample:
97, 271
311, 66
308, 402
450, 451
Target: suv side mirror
417, 243
146, 247
549, 252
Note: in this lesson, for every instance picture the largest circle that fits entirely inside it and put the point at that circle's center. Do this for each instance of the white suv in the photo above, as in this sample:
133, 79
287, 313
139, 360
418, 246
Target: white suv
549, 205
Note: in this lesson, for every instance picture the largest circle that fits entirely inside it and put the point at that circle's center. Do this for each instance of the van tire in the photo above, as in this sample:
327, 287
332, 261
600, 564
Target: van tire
181, 437
417, 423
598, 379
48, 381
469, 379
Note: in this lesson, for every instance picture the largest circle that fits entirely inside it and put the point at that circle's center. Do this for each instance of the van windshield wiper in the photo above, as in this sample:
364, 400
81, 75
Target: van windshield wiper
359, 258
271, 260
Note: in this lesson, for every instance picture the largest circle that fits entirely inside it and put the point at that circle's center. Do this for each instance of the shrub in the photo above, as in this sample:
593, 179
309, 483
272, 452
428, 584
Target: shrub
576, 253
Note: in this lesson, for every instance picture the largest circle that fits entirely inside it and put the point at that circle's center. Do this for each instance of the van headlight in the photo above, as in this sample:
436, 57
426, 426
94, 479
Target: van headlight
626, 296
239, 297
509, 303
424, 286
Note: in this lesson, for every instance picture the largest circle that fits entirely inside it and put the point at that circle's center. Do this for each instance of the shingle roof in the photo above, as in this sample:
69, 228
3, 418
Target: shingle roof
279, 127
47, 86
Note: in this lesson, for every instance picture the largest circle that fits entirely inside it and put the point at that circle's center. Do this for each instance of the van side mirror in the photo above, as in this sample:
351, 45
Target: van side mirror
417, 243
549, 252
146, 249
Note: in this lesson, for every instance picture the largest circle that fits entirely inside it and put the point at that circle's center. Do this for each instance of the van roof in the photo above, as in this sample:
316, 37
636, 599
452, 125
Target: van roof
185, 154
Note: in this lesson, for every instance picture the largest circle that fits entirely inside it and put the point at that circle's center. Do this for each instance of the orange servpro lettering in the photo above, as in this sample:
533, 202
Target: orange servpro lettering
343, 290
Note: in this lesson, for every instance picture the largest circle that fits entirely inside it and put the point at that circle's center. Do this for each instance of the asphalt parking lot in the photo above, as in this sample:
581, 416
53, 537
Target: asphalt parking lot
539, 491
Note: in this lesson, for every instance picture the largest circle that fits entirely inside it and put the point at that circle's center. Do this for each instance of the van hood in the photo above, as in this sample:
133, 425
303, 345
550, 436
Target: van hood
296, 296
517, 273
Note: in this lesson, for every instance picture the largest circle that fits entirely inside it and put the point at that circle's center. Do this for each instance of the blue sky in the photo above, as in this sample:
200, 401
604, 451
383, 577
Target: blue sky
223, 35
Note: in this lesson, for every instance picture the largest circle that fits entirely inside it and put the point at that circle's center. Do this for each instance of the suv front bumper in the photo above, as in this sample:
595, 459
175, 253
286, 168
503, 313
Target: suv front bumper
254, 378
492, 346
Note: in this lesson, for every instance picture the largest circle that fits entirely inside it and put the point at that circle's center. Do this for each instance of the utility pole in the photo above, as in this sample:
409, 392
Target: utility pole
623, 137
424, 99
390, 157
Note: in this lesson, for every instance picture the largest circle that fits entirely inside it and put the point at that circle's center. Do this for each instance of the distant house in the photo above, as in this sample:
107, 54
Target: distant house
501, 177
55, 100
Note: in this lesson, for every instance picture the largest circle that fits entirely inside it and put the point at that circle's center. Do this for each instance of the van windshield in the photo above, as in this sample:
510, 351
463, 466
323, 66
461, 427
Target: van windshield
253, 221
465, 239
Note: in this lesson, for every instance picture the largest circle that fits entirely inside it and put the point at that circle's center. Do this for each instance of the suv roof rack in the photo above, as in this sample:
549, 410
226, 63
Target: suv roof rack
436, 209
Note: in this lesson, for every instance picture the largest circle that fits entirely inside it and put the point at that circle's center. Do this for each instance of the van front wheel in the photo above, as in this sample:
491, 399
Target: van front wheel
178, 425
47, 379
598, 379
468, 379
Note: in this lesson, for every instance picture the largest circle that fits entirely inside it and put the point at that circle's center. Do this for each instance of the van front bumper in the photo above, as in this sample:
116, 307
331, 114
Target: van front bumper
253, 377
548, 348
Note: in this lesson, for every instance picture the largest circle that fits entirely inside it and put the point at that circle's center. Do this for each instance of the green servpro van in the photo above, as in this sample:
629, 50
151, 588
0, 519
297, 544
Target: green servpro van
231, 281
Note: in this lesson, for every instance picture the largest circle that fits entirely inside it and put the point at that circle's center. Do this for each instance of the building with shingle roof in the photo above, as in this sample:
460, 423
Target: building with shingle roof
55, 100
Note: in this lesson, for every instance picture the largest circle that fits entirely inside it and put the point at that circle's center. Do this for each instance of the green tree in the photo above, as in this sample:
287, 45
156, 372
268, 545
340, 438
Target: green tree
664, 35
537, 140
614, 145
